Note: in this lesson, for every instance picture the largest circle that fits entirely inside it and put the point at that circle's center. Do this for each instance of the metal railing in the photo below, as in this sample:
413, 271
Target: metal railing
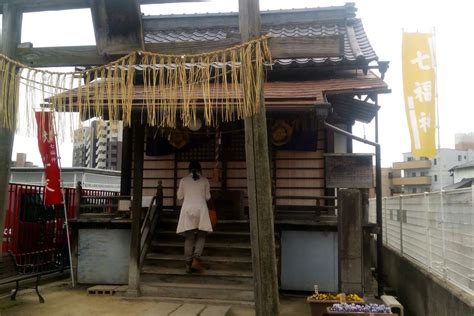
89, 202
150, 221
434, 230
36, 234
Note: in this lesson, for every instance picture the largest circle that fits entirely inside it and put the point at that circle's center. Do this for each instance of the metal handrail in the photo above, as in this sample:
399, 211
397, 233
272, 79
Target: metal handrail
150, 221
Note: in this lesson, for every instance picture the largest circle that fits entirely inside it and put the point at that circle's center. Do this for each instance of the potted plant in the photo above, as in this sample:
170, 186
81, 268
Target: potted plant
319, 303
358, 310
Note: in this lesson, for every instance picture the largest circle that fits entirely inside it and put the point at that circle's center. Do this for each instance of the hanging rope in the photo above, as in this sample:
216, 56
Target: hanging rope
224, 83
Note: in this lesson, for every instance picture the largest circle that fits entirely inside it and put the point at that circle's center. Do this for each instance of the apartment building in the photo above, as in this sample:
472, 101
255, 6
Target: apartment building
98, 146
425, 175
464, 141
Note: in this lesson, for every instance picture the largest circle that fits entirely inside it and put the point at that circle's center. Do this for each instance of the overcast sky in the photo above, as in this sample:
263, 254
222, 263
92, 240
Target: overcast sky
384, 21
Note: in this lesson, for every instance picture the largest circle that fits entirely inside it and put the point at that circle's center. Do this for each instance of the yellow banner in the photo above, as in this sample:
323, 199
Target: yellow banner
420, 90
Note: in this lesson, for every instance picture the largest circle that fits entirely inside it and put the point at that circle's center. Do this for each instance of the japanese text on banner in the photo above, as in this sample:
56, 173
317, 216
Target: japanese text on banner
420, 89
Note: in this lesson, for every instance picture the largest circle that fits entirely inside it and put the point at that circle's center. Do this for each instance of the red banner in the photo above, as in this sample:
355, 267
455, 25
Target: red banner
47, 148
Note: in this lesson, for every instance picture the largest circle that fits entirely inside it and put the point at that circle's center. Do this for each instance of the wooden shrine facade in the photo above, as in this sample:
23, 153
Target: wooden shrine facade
297, 164
321, 72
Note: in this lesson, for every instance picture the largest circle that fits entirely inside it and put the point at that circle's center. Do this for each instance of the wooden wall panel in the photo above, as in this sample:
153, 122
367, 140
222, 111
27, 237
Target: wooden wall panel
300, 183
298, 174
300, 164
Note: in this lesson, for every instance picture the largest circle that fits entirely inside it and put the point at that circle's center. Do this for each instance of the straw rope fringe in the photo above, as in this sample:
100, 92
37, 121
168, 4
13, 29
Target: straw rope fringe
173, 87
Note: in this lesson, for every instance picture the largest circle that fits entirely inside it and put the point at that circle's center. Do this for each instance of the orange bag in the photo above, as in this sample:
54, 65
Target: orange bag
213, 217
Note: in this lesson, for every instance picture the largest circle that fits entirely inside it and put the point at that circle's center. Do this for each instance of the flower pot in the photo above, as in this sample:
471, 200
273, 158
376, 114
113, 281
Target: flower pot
333, 313
319, 307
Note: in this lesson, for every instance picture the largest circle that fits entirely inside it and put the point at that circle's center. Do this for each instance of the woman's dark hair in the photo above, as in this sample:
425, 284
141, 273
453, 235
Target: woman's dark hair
195, 169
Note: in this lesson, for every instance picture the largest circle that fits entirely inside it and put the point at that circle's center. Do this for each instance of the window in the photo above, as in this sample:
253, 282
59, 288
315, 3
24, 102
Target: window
409, 158
459, 157
464, 157
435, 161
413, 190
423, 173
436, 178
413, 174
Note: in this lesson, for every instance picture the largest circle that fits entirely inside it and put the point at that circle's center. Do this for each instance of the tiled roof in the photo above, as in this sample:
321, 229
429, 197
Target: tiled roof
469, 164
309, 93
356, 44
464, 183
289, 95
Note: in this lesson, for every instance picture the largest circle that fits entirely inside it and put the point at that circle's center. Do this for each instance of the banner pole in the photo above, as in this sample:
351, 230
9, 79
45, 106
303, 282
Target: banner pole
441, 191
66, 221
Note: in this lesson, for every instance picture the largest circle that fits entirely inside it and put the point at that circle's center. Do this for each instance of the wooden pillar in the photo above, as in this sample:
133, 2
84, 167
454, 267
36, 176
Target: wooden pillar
259, 186
138, 155
350, 241
11, 36
366, 245
126, 170
175, 183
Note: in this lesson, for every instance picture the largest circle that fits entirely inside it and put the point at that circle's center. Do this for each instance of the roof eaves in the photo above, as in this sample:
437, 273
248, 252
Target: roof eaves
464, 165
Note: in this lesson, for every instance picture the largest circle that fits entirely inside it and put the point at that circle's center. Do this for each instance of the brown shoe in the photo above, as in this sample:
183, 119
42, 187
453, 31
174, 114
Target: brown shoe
197, 265
188, 266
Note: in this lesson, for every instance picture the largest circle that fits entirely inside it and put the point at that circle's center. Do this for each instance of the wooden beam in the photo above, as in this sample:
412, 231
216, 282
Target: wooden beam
259, 186
138, 155
57, 5
60, 56
126, 170
48, 5
289, 47
117, 26
11, 33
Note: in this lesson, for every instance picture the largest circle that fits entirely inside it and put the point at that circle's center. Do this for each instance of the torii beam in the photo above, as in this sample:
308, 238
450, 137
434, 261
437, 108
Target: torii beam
117, 26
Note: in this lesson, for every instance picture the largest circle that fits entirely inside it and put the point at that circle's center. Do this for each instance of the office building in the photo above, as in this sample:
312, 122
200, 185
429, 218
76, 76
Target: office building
98, 146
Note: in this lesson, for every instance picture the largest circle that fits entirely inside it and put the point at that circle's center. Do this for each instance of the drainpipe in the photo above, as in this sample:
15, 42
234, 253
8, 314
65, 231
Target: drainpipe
378, 194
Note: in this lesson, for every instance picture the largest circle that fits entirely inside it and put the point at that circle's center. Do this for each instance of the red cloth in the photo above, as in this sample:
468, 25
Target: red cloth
47, 148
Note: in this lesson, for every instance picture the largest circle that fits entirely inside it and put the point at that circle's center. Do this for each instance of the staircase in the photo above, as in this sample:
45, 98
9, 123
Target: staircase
227, 256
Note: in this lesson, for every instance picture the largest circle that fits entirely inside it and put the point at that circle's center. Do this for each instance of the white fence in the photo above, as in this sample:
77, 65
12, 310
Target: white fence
434, 230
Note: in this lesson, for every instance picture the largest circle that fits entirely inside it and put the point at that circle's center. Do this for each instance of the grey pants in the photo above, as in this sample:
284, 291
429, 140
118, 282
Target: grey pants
194, 243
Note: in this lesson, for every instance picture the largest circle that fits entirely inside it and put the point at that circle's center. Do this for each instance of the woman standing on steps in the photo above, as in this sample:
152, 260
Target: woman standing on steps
194, 222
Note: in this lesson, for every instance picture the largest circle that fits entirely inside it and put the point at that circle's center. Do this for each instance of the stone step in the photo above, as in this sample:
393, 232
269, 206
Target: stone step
238, 249
170, 224
208, 301
216, 236
215, 310
188, 310
207, 272
213, 262
164, 275
231, 293
161, 308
